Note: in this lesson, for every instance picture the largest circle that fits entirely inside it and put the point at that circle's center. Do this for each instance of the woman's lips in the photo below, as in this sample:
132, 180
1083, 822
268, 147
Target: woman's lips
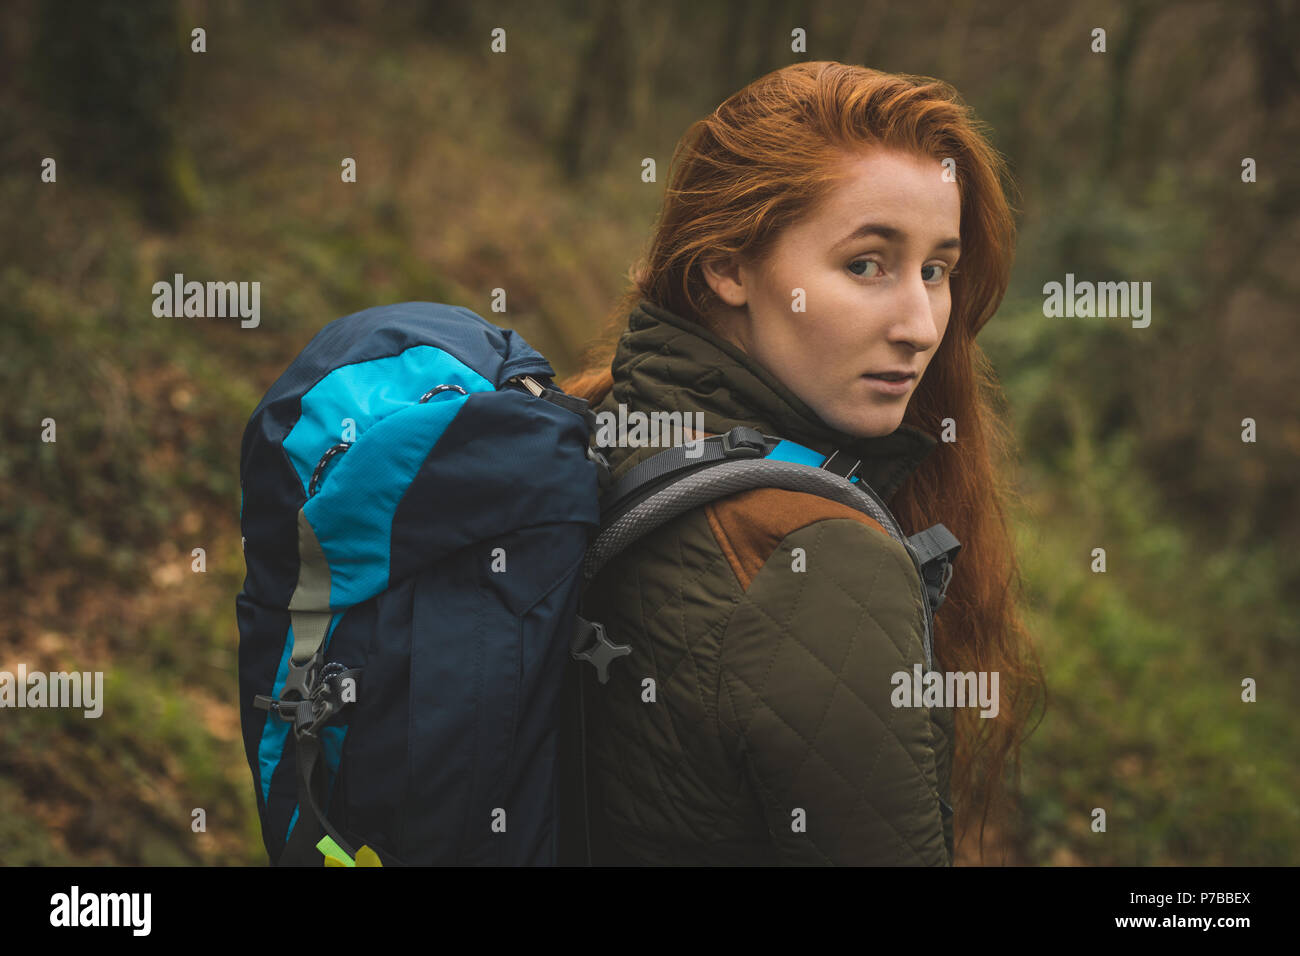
900, 387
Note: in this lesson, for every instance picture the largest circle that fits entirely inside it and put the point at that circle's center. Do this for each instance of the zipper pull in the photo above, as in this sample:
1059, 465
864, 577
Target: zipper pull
528, 382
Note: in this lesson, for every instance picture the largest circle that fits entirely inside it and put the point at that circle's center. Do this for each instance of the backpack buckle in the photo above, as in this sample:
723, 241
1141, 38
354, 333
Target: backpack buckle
744, 442
937, 575
935, 550
319, 696
590, 644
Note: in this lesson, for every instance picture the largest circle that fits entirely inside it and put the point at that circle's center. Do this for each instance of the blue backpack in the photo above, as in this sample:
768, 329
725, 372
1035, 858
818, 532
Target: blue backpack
422, 510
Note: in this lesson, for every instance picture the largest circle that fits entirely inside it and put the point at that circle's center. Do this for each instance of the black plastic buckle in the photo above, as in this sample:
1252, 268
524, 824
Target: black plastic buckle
318, 696
937, 574
599, 651
302, 680
744, 442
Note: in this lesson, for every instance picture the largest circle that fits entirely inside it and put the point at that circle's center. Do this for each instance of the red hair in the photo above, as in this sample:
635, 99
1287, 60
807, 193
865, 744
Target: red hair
759, 162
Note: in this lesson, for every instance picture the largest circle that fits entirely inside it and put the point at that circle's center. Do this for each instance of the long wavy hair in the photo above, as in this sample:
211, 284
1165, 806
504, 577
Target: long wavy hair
741, 175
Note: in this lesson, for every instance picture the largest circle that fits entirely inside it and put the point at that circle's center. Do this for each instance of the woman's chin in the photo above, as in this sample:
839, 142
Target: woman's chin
869, 426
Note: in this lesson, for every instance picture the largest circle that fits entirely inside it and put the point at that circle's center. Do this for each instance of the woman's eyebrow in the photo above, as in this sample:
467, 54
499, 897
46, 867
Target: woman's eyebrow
889, 234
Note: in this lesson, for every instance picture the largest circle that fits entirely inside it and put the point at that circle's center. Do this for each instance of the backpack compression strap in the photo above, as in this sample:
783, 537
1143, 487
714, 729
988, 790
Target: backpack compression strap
318, 698
312, 695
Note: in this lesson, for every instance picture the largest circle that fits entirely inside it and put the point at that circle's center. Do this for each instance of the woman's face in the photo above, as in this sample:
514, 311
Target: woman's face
872, 263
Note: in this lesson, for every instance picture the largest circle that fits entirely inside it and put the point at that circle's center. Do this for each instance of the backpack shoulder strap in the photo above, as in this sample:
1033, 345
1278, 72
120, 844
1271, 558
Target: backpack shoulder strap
686, 476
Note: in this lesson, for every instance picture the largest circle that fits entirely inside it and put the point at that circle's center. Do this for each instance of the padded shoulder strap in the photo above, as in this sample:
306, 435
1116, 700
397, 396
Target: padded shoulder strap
674, 482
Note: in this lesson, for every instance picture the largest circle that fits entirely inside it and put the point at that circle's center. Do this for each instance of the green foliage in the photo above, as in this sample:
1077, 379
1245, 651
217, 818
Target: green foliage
1144, 664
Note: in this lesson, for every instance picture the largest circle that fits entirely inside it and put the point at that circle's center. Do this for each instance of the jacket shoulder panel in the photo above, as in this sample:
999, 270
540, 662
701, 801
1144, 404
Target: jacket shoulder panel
805, 694
749, 526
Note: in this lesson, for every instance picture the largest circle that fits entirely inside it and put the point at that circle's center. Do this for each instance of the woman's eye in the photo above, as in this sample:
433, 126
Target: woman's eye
943, 270
865, 263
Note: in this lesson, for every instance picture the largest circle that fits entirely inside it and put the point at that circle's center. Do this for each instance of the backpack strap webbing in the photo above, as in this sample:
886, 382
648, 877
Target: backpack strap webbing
310, 698
668, 466
317, 696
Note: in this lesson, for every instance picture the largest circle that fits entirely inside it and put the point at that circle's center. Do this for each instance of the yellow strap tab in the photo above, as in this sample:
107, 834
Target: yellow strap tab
368, 857
334, 855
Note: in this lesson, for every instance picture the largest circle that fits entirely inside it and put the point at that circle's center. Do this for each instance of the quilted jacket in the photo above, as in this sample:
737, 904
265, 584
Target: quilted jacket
752, 723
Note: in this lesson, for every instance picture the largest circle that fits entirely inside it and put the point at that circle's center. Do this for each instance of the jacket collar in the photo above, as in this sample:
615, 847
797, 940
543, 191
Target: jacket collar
665, 362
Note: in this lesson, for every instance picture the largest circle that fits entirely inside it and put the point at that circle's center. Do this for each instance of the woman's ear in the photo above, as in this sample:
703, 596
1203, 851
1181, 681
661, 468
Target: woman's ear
723, 277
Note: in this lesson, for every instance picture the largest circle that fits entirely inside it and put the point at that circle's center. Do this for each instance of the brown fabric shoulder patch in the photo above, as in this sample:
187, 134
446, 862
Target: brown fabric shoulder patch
750, 525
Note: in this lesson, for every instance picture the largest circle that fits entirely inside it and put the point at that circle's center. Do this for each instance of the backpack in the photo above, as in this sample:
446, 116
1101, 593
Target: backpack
422, 510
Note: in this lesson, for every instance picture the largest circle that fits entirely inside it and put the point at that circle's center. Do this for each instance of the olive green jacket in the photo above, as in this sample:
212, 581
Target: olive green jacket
752, 722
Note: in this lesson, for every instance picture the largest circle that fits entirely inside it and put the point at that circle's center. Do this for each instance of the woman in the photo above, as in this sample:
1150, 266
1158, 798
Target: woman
807, 251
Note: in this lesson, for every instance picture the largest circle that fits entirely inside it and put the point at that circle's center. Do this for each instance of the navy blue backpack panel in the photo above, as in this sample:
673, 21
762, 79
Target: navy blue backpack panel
415, 524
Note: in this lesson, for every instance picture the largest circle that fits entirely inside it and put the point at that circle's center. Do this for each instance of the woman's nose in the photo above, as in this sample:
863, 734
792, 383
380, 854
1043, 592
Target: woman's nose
916, 322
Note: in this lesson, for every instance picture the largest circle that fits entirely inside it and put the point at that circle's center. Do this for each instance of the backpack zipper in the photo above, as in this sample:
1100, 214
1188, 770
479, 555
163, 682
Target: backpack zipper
528, 382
